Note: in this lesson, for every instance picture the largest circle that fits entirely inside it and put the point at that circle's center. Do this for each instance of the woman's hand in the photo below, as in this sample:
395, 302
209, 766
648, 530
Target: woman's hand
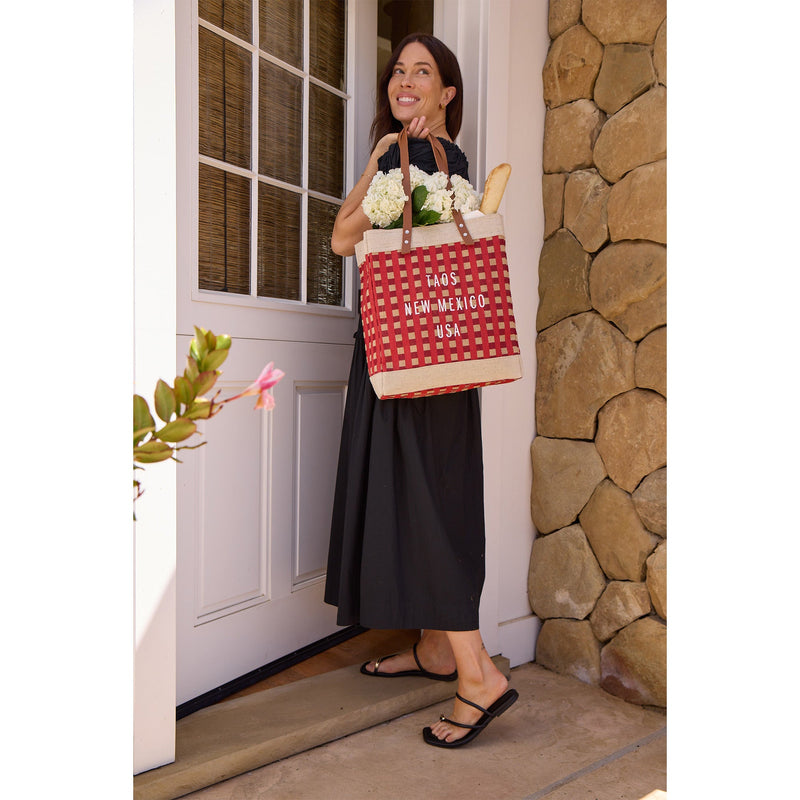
417, 128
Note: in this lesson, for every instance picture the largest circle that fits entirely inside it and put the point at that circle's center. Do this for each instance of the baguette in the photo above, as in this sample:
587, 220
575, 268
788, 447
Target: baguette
495, 186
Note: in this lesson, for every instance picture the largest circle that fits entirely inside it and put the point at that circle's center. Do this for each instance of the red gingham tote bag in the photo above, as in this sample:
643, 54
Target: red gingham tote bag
437, 312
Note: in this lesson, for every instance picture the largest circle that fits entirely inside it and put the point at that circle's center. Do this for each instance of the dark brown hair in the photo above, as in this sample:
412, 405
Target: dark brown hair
449, 72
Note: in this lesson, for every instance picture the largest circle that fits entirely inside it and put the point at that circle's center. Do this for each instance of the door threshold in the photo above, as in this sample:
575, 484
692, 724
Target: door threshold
262, 674
245, 733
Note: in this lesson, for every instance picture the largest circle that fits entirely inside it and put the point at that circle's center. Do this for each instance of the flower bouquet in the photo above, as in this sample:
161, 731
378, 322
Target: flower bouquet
431, 201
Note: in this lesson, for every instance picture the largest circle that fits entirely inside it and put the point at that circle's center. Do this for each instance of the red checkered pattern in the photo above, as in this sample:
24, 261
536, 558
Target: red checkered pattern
438, 304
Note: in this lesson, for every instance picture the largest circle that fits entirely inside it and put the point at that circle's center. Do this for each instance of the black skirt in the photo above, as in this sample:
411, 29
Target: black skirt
407, 535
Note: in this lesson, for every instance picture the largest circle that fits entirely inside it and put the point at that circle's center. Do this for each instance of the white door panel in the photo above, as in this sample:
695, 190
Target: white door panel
255, 506
318, 414
254, 503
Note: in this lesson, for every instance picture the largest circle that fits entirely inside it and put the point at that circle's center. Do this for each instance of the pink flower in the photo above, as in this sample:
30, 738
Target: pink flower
265, 381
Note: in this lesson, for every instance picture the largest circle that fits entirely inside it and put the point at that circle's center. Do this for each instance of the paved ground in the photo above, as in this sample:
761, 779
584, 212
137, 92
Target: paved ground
562, 740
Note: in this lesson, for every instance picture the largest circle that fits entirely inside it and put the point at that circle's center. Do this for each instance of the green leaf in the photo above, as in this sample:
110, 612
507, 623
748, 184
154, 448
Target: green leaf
223, 342
177, 430
151, 452
418, 198
199, 347
191, 372
427, 217
204, 382
164, 400
201, 409
211, 341
398, 223
142, 418
139, 434
213, 360
184, 391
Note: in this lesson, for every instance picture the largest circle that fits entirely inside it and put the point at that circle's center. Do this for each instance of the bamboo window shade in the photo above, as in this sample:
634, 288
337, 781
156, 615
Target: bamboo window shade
324, 284
326, 148
233, 16
224, 241
280, 29
326, 138
287, 79
224, 100
280, 124
278, 242
326, 42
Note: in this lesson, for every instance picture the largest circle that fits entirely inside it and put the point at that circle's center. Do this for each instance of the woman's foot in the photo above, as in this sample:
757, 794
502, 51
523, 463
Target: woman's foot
483, 686
500, 706
433, 655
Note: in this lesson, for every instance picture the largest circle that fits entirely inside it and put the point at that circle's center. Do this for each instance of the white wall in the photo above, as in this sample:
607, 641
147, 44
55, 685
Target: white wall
155, 327
515, 114
66, 249
501, 46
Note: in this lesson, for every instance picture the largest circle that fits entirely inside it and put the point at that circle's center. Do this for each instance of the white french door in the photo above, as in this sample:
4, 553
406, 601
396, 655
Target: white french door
266, 118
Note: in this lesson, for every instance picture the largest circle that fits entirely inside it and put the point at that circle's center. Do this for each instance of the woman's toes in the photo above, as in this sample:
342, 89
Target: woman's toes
441, 730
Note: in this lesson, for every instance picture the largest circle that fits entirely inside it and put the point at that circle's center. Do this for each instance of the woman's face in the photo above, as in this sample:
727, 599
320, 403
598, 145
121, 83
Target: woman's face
416, 89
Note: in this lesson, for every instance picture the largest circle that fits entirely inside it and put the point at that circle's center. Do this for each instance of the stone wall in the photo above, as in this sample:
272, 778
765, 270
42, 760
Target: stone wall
598, 566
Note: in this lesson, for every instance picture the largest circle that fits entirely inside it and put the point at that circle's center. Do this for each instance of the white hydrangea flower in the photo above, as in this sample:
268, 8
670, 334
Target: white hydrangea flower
465, 197
418, 177
436, 182
440, 200
385, 198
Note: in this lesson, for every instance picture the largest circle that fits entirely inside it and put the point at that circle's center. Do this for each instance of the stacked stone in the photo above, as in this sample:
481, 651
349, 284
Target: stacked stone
598, 500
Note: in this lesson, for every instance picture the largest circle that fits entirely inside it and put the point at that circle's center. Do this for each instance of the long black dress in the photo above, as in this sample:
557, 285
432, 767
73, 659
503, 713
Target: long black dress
407, 532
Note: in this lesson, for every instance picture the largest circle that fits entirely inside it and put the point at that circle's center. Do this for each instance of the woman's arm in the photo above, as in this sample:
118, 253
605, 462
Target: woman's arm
351, 222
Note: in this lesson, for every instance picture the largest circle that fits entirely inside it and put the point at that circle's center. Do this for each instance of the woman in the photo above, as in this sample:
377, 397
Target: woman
407, 536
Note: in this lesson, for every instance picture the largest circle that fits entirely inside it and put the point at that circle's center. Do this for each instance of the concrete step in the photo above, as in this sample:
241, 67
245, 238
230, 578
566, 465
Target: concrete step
236, 736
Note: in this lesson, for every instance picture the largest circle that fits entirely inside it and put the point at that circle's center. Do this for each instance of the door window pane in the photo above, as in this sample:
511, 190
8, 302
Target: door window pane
224, 231
325, 268
327, 36
326, 142
280, 124
225, 91
280, 30
278, 242
233, 16
272, 125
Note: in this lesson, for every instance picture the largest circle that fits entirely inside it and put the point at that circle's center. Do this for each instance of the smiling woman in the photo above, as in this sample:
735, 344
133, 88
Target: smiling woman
416, 89
407, 545
424, 70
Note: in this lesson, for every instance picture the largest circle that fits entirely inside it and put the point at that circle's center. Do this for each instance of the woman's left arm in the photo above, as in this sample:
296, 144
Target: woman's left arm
351, 221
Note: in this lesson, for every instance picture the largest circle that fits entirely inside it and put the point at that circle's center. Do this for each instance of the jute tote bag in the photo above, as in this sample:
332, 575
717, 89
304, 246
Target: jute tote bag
436, 302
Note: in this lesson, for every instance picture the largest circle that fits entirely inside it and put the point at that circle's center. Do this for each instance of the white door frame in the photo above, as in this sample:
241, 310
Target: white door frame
503, 106
155, 269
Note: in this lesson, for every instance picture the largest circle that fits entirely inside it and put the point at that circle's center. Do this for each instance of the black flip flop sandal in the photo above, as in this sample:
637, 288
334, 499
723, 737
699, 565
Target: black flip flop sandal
495, 710
409, 673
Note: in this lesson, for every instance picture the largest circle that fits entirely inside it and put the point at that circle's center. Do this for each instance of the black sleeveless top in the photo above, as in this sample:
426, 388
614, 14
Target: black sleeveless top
420, 153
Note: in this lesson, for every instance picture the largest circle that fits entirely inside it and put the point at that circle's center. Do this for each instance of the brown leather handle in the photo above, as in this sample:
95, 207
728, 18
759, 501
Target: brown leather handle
441, 163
